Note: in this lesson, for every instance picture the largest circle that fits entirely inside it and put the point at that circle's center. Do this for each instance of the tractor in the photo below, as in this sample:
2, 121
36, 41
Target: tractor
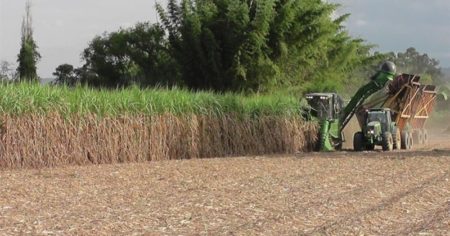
378, 130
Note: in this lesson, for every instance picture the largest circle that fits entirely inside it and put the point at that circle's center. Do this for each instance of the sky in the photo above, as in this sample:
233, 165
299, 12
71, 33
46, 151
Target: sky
63, 28
395, 25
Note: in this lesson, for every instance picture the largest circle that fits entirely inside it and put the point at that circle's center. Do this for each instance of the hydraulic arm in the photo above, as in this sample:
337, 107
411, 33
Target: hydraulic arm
378, 82
331, 129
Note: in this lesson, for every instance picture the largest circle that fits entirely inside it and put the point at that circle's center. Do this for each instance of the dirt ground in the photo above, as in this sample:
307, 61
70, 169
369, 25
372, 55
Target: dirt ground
396, 193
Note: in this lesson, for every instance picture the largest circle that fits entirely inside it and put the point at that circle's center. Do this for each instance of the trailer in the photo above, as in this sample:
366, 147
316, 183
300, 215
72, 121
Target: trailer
412, 104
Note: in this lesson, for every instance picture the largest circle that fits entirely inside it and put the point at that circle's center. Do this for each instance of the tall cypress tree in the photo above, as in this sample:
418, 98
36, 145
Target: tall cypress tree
28, 55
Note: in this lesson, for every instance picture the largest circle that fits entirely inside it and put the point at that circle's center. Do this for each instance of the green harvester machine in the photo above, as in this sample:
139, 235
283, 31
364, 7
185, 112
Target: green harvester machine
391, 111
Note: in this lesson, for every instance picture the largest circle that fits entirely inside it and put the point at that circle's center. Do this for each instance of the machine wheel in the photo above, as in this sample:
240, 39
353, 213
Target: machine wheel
358, 142
405, 140
411, 142
425, 136
421, 140
397, 140
338, 147
388, 142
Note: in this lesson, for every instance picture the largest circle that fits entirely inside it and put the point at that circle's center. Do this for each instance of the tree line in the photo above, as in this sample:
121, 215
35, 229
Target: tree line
229, 45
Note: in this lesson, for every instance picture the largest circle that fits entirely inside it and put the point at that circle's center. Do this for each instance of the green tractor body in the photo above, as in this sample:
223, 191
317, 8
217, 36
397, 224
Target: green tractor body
378, 130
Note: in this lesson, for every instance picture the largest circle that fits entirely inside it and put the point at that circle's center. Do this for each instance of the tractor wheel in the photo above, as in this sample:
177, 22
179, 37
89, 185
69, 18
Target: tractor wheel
388, 142
397, 140
425, 136
358, 142
420, 133
411, 141
338, 146
405, 140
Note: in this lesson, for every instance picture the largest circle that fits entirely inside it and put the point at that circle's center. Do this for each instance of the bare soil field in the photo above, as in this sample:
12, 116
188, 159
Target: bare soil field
398, 193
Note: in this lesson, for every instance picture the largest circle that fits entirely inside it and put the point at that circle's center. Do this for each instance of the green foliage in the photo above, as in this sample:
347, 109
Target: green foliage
260, 45
413, 62
138, 55
7, 73
443, 99
28, 55
326, 55
362, 74
410, 62
446, 72
25, 98
65, 74
27, 59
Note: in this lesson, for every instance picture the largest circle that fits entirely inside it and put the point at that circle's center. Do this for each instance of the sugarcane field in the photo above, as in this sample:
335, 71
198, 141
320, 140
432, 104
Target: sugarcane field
401, 193
224, 117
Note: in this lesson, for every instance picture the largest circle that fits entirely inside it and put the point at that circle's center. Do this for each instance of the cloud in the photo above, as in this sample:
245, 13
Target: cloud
360, 22
395, 25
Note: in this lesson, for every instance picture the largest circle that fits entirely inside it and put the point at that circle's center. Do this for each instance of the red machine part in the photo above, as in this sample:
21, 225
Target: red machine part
411, 102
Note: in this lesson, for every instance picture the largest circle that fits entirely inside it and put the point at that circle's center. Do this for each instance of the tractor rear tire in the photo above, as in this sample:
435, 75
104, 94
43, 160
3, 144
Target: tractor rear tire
405, 140
425, 136
421, 140
397, 140
358, 142
388, 142
411, 142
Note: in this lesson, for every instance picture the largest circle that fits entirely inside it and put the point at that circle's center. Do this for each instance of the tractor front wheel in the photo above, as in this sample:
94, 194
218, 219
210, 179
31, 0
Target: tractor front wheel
411, 142
388, 142
397, 140
358, 142
406, 140
425, 136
